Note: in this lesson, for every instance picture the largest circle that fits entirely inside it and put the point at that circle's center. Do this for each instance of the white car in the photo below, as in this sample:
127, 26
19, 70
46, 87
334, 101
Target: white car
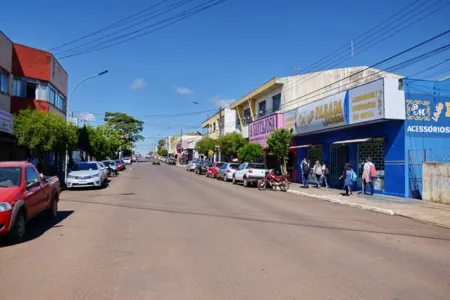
191, 165
249, 173
104, 169
127, 160
86, 174
226, 171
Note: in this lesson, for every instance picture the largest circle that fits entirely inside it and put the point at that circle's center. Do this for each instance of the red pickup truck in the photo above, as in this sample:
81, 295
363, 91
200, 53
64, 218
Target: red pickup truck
24, 193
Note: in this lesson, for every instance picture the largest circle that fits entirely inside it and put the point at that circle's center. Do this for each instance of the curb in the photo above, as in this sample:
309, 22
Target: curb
346, 203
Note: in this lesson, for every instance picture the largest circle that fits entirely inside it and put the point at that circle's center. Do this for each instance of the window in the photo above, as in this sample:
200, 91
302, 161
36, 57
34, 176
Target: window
31, 175
214, 126
247, 116
238, 121
4, 82
276, 100
25, 88
262, 108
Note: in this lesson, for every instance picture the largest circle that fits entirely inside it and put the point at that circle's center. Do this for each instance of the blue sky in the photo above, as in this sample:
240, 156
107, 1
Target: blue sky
220, 54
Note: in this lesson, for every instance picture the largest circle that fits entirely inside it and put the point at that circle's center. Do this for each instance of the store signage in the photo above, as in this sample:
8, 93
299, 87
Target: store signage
367, 102
6, 122
259, 130
289, 119
323, 114
428, 116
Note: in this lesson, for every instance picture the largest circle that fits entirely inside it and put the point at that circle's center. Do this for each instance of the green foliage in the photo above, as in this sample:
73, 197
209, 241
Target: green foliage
278, 145
250, 153
129, 128
230, 143
161, 144
100, 141
205, 144
163, 152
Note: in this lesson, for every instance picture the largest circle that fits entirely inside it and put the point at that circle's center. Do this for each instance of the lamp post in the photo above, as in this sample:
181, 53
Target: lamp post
68, 113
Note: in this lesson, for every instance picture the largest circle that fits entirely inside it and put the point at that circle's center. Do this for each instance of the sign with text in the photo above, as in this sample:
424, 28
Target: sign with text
6, 122
366, 102
428, 115
259, 130
322, 114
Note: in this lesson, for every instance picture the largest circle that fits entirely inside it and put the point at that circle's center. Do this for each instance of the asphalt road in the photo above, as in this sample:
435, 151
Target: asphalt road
158, 232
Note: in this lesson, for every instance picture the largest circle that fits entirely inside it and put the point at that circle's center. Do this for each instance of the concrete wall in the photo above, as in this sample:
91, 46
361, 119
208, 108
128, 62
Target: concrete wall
5, 53
229, 121
30, 62
300, 90
58, 76
436, 182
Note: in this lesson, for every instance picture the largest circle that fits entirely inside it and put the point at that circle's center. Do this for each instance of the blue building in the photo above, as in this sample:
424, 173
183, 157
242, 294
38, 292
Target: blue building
386, 119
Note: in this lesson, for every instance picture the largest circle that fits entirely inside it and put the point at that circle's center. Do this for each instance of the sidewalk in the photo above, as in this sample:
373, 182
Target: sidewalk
433, 213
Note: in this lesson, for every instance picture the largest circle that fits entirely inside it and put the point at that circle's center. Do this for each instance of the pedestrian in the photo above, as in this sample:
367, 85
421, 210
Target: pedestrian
369, 175
306, 169
317, 170
349, 178
325, 174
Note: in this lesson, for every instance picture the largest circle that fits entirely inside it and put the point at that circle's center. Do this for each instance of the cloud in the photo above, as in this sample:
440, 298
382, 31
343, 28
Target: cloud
222, 102
184, 90
138, 84
85, 116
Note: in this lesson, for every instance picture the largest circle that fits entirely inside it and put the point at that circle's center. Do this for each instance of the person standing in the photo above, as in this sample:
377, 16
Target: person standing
317, 170
369, 174
349, 178
325, 174
306, 169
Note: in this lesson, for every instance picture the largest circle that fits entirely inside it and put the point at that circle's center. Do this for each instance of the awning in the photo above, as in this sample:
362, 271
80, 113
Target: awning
352, 141
301, 146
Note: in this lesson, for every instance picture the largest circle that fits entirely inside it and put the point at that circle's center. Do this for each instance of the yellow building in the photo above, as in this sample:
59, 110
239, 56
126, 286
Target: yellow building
213, 126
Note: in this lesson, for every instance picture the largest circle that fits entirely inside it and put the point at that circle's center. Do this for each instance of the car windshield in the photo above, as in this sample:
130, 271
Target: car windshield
118, 161
256, 166
126, 158
234, 166
85, 167
106, 163
10, 176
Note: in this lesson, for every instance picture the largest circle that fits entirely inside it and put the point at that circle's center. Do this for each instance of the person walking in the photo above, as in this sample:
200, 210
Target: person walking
349, 178
369, 175
317, 170
306, 169
325, 174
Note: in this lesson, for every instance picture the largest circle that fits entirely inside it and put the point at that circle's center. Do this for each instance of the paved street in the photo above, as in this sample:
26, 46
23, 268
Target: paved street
158, 232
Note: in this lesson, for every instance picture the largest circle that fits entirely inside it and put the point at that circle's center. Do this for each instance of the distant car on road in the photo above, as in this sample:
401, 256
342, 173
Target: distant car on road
213, 169
86, 174
120, 164
127, 160
226, 171
156, 162
171, 161
201, 167
24, 194
134, 159
192, 164
249, 173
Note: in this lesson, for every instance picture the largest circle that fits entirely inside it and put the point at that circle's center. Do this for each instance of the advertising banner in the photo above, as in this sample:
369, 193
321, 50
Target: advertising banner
6, 122
366, 102
289, 119
259, 130
428, 116
327, 113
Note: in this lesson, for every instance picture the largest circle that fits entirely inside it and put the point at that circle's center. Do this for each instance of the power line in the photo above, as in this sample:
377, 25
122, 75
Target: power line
430, 68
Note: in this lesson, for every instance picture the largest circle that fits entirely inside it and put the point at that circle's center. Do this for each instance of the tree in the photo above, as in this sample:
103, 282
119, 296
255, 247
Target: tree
161, 144
129, 128
250, 152
278, 146
163, 152
205, 144
230, 143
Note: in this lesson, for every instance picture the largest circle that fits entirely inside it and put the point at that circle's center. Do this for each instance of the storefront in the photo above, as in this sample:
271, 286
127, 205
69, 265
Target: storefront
259, 130
350, 126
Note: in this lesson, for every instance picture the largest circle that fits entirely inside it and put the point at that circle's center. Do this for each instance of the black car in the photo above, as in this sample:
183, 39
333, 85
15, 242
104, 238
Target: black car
171, 161
201, 168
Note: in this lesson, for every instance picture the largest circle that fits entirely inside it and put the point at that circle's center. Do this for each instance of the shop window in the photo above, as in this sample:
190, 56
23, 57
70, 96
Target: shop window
315, 152
276, 101
262, 108
375, 149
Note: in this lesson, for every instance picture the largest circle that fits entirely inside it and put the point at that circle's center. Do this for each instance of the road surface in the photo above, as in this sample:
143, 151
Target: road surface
158, 232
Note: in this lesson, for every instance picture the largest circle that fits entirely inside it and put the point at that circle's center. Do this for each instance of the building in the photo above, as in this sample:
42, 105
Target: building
29, 78
186, 148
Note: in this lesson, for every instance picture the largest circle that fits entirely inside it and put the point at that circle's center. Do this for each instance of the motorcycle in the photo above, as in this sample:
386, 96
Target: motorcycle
271, 180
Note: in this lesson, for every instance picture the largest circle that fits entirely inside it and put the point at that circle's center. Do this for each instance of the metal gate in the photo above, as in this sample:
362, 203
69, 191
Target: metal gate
339, 157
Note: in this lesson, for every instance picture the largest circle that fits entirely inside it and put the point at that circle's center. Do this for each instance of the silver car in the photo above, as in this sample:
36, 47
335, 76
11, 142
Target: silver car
226, 171
192, 164
85, 174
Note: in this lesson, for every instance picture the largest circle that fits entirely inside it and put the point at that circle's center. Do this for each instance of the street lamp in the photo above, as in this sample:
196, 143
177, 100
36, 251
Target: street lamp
68, 113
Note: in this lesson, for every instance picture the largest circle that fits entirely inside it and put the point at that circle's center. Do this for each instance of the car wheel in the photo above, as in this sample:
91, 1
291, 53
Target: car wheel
52, 212
245, 182
17, 233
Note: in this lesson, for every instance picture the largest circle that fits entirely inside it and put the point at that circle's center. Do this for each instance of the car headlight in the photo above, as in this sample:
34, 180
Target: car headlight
4, 206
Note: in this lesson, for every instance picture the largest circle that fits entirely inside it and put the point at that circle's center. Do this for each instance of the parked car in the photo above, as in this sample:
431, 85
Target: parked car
24, 194
226, 171
213, 169
201, 167
192, 164
134, 159
86, 174
171, 161
104, 169
120, 165
112, 168
127, 160
155, 161
249, 173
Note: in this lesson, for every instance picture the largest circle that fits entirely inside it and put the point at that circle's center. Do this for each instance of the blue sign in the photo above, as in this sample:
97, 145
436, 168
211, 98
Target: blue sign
427, 115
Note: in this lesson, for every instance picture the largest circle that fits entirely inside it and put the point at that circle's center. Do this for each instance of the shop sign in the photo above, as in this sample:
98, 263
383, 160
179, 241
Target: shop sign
428, 116
6, 122
259, 130
323, 114
289, 119
367, 102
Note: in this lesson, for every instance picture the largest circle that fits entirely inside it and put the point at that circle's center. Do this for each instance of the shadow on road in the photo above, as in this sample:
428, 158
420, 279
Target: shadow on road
260, 220
40, 225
